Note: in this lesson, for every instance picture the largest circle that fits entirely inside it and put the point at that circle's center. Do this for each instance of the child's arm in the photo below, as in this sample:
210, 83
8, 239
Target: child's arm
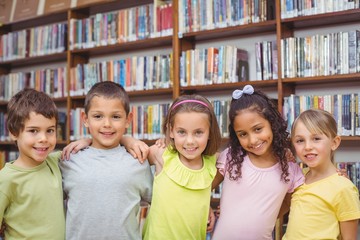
348, 229
155, 157
217, 180
211, 221
285, 207
138, 149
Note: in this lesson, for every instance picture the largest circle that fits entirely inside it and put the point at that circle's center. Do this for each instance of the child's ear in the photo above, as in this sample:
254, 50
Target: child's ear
12, 136
84, 118
171, 132
335, 143
129, 119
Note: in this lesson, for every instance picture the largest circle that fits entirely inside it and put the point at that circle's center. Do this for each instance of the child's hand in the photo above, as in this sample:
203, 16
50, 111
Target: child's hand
342, 172
211, 221
74, 147
138, 149
160, 143
217, 212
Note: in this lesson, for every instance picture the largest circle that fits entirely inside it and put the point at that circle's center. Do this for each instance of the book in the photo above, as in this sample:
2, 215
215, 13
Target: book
5, 10
242, 65
56, 5
61, 126
25, 9
88, 2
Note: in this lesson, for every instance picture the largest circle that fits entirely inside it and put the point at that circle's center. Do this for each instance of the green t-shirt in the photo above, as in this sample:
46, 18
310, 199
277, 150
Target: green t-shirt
31, 201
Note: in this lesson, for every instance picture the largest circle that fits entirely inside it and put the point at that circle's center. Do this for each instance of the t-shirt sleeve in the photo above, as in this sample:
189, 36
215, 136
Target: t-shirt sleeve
4, 199
347, 205
296, 176
54, 156
221, 161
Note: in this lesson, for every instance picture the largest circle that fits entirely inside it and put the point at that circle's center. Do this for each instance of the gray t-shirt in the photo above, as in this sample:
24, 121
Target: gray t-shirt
104, 189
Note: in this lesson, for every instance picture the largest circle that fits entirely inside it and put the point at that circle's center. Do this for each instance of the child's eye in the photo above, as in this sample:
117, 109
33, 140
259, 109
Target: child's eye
241, 134
258, 129
97, 116
299, 141
117, 117
51, 130
199, 132
181, 132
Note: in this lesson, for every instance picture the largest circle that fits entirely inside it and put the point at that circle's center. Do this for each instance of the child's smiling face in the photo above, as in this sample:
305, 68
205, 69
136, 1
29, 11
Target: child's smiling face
36, 140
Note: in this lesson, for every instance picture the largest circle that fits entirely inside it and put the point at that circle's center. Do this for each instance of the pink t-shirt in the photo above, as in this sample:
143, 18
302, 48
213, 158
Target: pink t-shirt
250, 205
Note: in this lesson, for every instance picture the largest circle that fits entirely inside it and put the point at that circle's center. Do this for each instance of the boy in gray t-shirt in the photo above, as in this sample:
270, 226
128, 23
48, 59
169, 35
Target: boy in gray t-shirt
104, 184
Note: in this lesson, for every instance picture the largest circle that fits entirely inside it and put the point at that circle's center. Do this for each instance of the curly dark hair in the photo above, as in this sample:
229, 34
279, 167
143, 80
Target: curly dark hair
260, 103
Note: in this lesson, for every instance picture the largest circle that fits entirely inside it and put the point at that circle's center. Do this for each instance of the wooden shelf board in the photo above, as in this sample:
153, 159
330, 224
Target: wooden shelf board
229, 86
355, 77
56, 57
324, 19
233, 31
125, 47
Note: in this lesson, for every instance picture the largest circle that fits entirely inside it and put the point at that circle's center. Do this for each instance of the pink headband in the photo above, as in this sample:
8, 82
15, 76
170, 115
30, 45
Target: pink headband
189, 101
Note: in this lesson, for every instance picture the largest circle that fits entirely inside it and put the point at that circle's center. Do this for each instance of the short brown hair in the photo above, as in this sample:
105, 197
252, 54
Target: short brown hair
109, 90
194, 106
23, 103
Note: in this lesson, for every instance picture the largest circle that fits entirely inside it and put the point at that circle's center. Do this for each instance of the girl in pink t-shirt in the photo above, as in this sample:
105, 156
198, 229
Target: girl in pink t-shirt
255, 170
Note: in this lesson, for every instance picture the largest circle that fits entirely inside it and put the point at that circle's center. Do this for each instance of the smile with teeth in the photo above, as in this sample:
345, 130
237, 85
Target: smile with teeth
310, 156
40, 148
190, 149
257, 146
107, 133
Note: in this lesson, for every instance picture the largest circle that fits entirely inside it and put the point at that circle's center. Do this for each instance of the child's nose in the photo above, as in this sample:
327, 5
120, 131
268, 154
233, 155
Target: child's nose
42, 137
308, 145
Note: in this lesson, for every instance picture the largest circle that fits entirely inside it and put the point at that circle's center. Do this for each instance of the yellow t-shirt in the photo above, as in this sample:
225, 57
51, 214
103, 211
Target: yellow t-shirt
317, 208
181, 200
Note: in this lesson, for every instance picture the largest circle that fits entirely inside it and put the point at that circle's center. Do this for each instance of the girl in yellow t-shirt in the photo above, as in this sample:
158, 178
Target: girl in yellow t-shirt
185, 170
327, 204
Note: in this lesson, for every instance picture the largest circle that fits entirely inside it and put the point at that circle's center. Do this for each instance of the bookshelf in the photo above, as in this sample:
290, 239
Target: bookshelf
275, 26
272, 28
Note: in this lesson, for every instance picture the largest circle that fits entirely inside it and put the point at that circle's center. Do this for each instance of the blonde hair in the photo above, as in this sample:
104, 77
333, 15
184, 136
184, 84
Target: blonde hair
317, 121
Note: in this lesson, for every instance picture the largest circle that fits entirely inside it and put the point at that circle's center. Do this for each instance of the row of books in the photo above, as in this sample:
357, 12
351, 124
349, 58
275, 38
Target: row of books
195, 15
344, 107
38, 41
133, 73
352, 170
296, 8
125, 25
146, 123
148, 120
321, 55
214, 65
266, 60
51, 81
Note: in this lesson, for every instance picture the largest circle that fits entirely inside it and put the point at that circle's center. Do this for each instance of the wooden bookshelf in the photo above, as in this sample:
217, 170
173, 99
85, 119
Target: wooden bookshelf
176, 43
